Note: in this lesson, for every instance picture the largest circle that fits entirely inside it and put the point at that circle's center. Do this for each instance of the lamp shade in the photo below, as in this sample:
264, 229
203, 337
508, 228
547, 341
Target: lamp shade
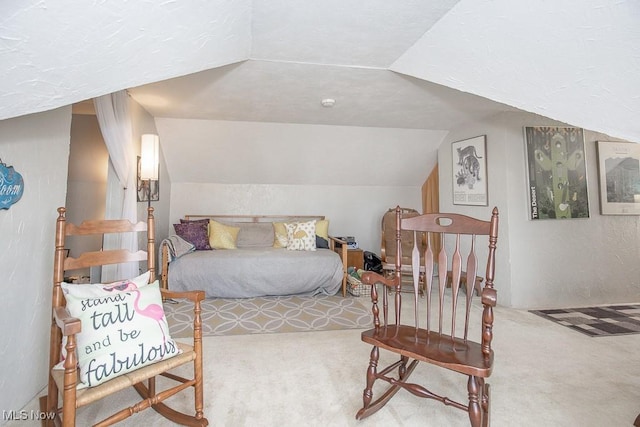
149, 157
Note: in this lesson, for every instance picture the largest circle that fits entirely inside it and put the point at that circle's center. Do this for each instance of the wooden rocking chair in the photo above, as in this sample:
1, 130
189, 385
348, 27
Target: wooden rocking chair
64, 382
388, 243
420, 340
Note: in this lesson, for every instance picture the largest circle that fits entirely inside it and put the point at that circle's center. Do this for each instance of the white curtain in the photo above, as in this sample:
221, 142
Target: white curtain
112, 111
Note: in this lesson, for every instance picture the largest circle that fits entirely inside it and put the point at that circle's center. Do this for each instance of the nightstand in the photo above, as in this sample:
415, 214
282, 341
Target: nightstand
355, 258
350, 258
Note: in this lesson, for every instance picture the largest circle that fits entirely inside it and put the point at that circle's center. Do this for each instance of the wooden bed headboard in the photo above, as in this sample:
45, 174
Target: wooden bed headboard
255, 218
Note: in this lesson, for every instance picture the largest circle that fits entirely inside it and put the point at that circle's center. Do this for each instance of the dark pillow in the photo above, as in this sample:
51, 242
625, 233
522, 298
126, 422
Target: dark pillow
195, 233
321, 242
195, 221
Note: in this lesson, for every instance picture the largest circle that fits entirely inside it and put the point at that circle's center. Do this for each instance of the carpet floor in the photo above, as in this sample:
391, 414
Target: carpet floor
599, 321
544, 375
270, 315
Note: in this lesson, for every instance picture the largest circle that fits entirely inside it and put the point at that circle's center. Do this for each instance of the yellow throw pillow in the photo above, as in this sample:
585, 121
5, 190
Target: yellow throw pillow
222, 236
322, 229
301, 236
280, 235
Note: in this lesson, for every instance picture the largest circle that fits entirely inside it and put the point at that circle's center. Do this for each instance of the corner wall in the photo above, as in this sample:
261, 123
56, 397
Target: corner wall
87, 180
38, 147
547, 263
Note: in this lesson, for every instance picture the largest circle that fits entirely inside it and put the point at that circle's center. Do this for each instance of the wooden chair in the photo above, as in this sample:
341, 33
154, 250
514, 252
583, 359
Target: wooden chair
388, 250
445, 343
64, 382
388, 243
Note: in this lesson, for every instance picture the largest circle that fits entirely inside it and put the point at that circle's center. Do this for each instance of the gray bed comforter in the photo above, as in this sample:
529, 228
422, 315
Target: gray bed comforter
253, 272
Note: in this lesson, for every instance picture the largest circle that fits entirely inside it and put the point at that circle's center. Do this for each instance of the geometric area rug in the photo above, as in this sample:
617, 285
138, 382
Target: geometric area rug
601, 321
262, 315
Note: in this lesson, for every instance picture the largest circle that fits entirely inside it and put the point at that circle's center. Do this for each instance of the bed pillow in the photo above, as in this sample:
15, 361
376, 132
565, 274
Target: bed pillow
255, 235
96, 290
322, 234
280, 235
321, 243
123, 329
222, 236
194, 232
195, 221
301, 236
322, 228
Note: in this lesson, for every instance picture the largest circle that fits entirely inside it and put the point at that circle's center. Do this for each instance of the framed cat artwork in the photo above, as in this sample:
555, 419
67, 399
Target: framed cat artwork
469, 170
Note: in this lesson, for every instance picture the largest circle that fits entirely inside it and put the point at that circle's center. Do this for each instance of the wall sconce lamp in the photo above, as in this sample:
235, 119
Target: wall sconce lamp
148, 169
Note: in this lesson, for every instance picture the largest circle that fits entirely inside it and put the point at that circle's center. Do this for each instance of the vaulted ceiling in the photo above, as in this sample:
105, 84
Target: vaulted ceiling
330, 49
412, 64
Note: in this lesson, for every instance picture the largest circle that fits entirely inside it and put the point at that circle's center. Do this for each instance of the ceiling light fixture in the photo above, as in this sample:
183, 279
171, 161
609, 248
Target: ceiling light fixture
328, 102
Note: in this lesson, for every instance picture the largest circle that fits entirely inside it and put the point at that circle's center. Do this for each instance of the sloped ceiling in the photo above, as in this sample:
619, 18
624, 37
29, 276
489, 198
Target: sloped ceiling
58, 53
334, 49
291, 92
576, 61
424, 65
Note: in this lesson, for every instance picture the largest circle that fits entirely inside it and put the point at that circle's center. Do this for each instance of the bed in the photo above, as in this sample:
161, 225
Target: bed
255, 267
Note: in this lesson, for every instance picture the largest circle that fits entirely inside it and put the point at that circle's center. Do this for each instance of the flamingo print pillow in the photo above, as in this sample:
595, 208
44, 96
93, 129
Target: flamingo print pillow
123, 329
301, 236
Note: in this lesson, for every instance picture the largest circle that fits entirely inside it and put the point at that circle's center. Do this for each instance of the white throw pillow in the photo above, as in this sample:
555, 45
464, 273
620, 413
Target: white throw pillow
301, 236
96, 290
123, 329
102, 289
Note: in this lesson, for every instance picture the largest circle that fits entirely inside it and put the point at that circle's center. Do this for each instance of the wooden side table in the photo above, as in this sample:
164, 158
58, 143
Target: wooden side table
350, 258
355, 258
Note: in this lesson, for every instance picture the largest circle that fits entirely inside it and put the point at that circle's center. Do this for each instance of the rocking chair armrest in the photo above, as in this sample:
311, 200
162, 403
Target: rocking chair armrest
371, 278
194, 296
67, 324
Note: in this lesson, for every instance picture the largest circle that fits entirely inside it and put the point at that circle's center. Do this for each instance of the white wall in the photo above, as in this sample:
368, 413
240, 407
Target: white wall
353, 211
239, 152
349, 174
548, 263
87, 180
38, 147
497, 194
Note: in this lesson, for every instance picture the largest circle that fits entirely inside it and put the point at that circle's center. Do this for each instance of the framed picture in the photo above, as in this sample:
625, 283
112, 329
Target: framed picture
619, 175
470, 171
557, 173
143, 192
